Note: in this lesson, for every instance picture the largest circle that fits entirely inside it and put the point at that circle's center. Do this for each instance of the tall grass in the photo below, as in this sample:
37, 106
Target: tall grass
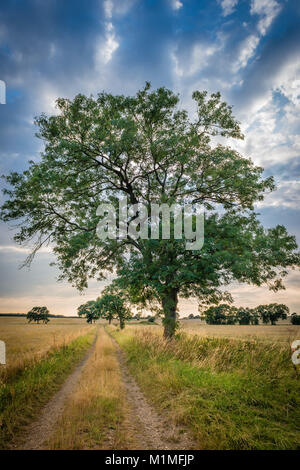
232, 394
22, 397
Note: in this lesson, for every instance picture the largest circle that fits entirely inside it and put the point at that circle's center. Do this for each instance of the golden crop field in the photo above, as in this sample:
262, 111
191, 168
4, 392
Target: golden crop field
280, 332
27, 343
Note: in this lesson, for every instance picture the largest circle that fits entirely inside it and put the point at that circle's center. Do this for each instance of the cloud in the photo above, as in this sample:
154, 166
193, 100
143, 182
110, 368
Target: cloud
176, 4
267, 10
108, 8
106, 46
246, 51
228, 6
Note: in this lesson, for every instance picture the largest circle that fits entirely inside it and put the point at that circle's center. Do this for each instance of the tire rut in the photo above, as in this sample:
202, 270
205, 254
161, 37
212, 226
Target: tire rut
38, 432
149, 429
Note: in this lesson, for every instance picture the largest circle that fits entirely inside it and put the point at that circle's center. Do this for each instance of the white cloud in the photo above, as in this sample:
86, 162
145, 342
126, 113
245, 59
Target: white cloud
286, 195
267, 10
108, 8
19, 249
247, 50
106, 46
228, 6
120, 7
187, 65
176, 4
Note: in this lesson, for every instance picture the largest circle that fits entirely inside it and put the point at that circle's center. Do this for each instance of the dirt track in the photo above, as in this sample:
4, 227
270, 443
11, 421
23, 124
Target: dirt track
151, 431
144, 427
41, 429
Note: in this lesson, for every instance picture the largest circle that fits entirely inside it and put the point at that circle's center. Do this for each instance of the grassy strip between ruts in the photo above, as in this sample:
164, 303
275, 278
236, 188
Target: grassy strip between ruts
22, 399
231, 394
94, 417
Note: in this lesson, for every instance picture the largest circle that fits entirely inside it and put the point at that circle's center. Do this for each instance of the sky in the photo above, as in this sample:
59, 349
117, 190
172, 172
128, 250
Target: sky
249, 50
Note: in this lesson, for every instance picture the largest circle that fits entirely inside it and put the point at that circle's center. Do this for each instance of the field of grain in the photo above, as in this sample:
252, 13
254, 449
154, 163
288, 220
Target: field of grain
212, 387
282, 332
28, 343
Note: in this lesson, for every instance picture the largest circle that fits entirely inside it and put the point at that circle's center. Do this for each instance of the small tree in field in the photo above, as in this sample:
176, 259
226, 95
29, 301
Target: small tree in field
272, 313
37, 314
113, 304
295, 319
89, 310
148, 150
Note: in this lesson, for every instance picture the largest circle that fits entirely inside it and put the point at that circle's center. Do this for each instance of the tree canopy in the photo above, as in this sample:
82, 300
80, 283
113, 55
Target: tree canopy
273, 312
89, 310
146, 148
37, 314
113, 303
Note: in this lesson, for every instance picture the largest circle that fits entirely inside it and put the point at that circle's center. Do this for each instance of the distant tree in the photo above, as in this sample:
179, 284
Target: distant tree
222, 314
243, 315
90, 311
37, 314
191, 316
254, 318
295, 319
272, 313
113, 303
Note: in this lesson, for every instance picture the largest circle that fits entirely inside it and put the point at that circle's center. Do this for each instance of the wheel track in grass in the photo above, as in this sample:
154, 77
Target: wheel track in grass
150, 430
39, 431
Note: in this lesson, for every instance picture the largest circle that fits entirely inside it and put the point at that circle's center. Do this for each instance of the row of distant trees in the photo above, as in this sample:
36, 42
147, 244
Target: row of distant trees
225, 314
113, 304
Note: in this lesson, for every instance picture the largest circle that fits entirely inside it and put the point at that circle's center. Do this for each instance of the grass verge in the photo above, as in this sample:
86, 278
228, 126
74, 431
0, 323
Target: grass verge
94, 416
21, 399
231, 394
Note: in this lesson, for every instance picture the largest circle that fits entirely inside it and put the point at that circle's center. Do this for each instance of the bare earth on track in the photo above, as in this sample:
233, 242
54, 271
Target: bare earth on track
40, 430
149, 430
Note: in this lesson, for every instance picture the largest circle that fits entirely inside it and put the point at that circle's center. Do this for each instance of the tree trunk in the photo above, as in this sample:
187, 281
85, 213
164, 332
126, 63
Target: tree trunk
109, 320
169, 304
122, 323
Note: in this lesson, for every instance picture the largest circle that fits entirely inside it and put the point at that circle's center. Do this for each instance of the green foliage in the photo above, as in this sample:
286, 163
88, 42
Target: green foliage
272, 313
220, 315
295, 319
151, 319
37, 314
145, 148
244, 316
90, 311
113, 303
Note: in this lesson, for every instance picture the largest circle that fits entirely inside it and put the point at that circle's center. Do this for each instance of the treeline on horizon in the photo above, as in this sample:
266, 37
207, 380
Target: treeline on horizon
25, 314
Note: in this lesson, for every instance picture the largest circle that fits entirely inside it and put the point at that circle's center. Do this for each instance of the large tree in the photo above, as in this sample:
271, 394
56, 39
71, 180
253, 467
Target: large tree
145, 148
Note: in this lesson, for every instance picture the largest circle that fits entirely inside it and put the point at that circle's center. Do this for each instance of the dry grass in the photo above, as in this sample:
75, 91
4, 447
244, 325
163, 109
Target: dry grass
231, 393
26, 344
94, 416
285, 333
